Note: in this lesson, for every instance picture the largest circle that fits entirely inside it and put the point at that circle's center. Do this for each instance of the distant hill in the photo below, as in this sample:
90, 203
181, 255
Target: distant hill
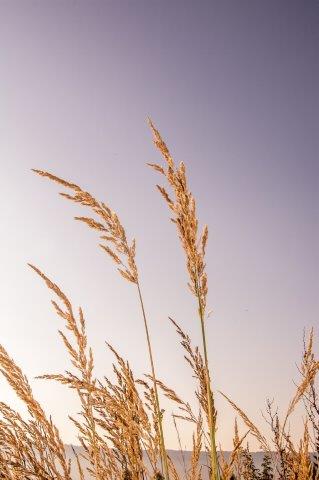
175, 455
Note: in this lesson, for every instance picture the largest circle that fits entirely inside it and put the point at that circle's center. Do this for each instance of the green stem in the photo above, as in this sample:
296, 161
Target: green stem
211, 421
157, 405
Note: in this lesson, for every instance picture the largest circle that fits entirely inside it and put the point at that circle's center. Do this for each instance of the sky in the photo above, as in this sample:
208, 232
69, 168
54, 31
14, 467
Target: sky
233, 88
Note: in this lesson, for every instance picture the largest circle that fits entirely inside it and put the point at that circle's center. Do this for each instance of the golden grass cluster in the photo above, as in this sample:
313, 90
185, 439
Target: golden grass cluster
120, 426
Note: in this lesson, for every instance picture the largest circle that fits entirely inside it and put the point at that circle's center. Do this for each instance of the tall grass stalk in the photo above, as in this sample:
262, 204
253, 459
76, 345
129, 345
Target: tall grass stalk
183, 207
116, 245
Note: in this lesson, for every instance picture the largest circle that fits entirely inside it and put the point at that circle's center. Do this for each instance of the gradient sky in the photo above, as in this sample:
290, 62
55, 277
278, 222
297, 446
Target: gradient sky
233, 88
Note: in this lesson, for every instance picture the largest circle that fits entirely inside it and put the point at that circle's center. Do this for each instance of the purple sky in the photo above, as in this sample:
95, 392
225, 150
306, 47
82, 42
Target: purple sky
233, 87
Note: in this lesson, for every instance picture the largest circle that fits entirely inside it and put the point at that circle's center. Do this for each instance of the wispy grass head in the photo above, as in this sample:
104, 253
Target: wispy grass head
183, 206
113, 234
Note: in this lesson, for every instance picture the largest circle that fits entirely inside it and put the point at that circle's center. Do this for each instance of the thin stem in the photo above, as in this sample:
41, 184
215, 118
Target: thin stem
157, 405
180, 447
211, 422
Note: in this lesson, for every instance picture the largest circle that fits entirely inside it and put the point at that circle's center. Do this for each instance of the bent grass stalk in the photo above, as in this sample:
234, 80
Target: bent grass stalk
123, 254
159, 413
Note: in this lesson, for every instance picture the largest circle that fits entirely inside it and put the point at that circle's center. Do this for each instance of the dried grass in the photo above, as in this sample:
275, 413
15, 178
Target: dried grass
120, 422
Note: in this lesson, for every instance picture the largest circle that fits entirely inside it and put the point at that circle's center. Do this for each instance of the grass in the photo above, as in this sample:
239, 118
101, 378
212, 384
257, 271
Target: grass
120, 426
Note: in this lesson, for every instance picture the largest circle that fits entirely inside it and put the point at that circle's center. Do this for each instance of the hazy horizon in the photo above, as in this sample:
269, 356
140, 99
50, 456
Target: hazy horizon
233, 88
